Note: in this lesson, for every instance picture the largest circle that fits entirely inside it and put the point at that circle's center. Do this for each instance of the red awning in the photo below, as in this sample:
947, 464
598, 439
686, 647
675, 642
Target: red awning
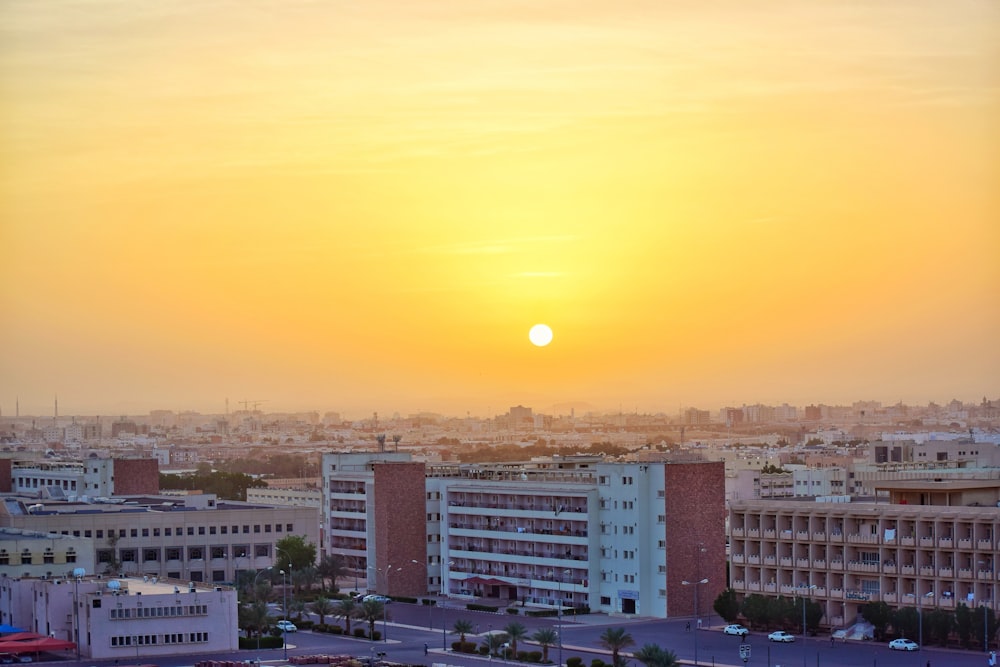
35, 645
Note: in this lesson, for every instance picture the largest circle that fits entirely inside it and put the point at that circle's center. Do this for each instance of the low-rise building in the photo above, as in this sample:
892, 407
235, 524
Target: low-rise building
124, 618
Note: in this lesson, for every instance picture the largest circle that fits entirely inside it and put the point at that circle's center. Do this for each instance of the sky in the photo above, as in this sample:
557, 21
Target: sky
364, 206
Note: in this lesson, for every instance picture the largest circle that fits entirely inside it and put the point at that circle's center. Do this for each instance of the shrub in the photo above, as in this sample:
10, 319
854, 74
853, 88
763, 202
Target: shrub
535, 656
429, 602
597, 662
469, 647
483, 650
512, 611
335, 629
376, 636
522, 656
574, 661
360, 633
267, 641
472, 606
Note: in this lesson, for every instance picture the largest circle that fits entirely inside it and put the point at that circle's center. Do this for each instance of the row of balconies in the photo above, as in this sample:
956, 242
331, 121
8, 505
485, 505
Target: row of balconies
527, 529
471, 551
888, 567
840, 593
865, 538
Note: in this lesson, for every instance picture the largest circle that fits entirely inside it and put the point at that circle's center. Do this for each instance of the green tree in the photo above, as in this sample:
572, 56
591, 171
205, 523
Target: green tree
938, 624
880, 615
545, 637
615, 640
296, 607
758, 610
461, 628
727, 606
653, 655
346, 609
372, 611
322, 607
963, 624
906, 622
293, 552
303, 579
980, 624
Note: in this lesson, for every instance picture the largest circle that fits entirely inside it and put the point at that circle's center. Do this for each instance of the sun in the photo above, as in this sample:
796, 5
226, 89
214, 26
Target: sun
540, 335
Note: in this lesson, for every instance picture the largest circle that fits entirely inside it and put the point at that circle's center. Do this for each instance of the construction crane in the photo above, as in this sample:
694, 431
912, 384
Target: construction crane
246, 404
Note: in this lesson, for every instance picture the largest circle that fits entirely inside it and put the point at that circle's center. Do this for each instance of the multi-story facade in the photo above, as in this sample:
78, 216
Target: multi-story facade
125, 619
87, 478
29, 553
188, 537
616, 537
928, 543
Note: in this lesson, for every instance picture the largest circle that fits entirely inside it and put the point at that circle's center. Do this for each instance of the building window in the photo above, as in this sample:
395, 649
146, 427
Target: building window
128, 555
218, 552
262, 550
70, 556
196, 553
173, 553
150, 555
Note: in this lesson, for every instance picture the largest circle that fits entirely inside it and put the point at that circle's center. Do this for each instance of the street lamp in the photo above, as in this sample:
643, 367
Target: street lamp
696, 612
920, 618
78, 573
444, 621
284, 609
259, 572
559, 613
808, 588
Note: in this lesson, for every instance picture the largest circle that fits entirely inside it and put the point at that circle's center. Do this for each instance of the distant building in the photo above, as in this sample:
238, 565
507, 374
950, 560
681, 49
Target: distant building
555, 532
930, 543
192, 537
126, 619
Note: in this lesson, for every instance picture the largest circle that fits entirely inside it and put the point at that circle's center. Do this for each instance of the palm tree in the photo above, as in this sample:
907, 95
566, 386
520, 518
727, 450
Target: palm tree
652, 655
254, 617
332, 567
305, 578
370, 612
545, 637
322, 607
296, 606
515, 631
494, 641
461, 628
346, 609
614, 640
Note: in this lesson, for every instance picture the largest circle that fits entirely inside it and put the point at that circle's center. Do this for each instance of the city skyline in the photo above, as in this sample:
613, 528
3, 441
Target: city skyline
366, 208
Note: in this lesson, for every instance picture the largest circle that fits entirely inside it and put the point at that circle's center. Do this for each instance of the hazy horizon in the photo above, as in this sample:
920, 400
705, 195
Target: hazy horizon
365, 207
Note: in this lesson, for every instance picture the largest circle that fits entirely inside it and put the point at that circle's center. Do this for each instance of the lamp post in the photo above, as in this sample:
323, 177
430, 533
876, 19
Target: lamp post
559, 614
808, 588
696, 584
284, 609
259, 572
444, 621
920, 618
78, 573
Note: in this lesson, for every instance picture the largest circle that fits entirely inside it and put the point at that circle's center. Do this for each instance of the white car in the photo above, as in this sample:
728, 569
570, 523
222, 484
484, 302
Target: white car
287, 626
781, 636
384, 599
736, 629
903, 645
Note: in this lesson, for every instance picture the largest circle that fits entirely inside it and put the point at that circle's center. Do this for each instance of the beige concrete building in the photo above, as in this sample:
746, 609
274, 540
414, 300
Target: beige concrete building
186, 537
931, 543
124, 618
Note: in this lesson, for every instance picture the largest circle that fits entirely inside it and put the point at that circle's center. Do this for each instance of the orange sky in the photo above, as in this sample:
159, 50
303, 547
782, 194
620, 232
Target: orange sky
364, 206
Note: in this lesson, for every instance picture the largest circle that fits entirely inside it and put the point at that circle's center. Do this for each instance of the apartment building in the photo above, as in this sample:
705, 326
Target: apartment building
929, 543
193, 537
124, 618
632, 538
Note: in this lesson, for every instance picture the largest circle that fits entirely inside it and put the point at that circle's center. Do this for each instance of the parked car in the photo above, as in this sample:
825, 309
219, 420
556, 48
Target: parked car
384, 599
287, 626
903, 645
780, 636
736, 629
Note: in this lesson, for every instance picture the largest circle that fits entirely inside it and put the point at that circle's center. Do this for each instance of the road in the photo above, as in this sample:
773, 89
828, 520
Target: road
412, 626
